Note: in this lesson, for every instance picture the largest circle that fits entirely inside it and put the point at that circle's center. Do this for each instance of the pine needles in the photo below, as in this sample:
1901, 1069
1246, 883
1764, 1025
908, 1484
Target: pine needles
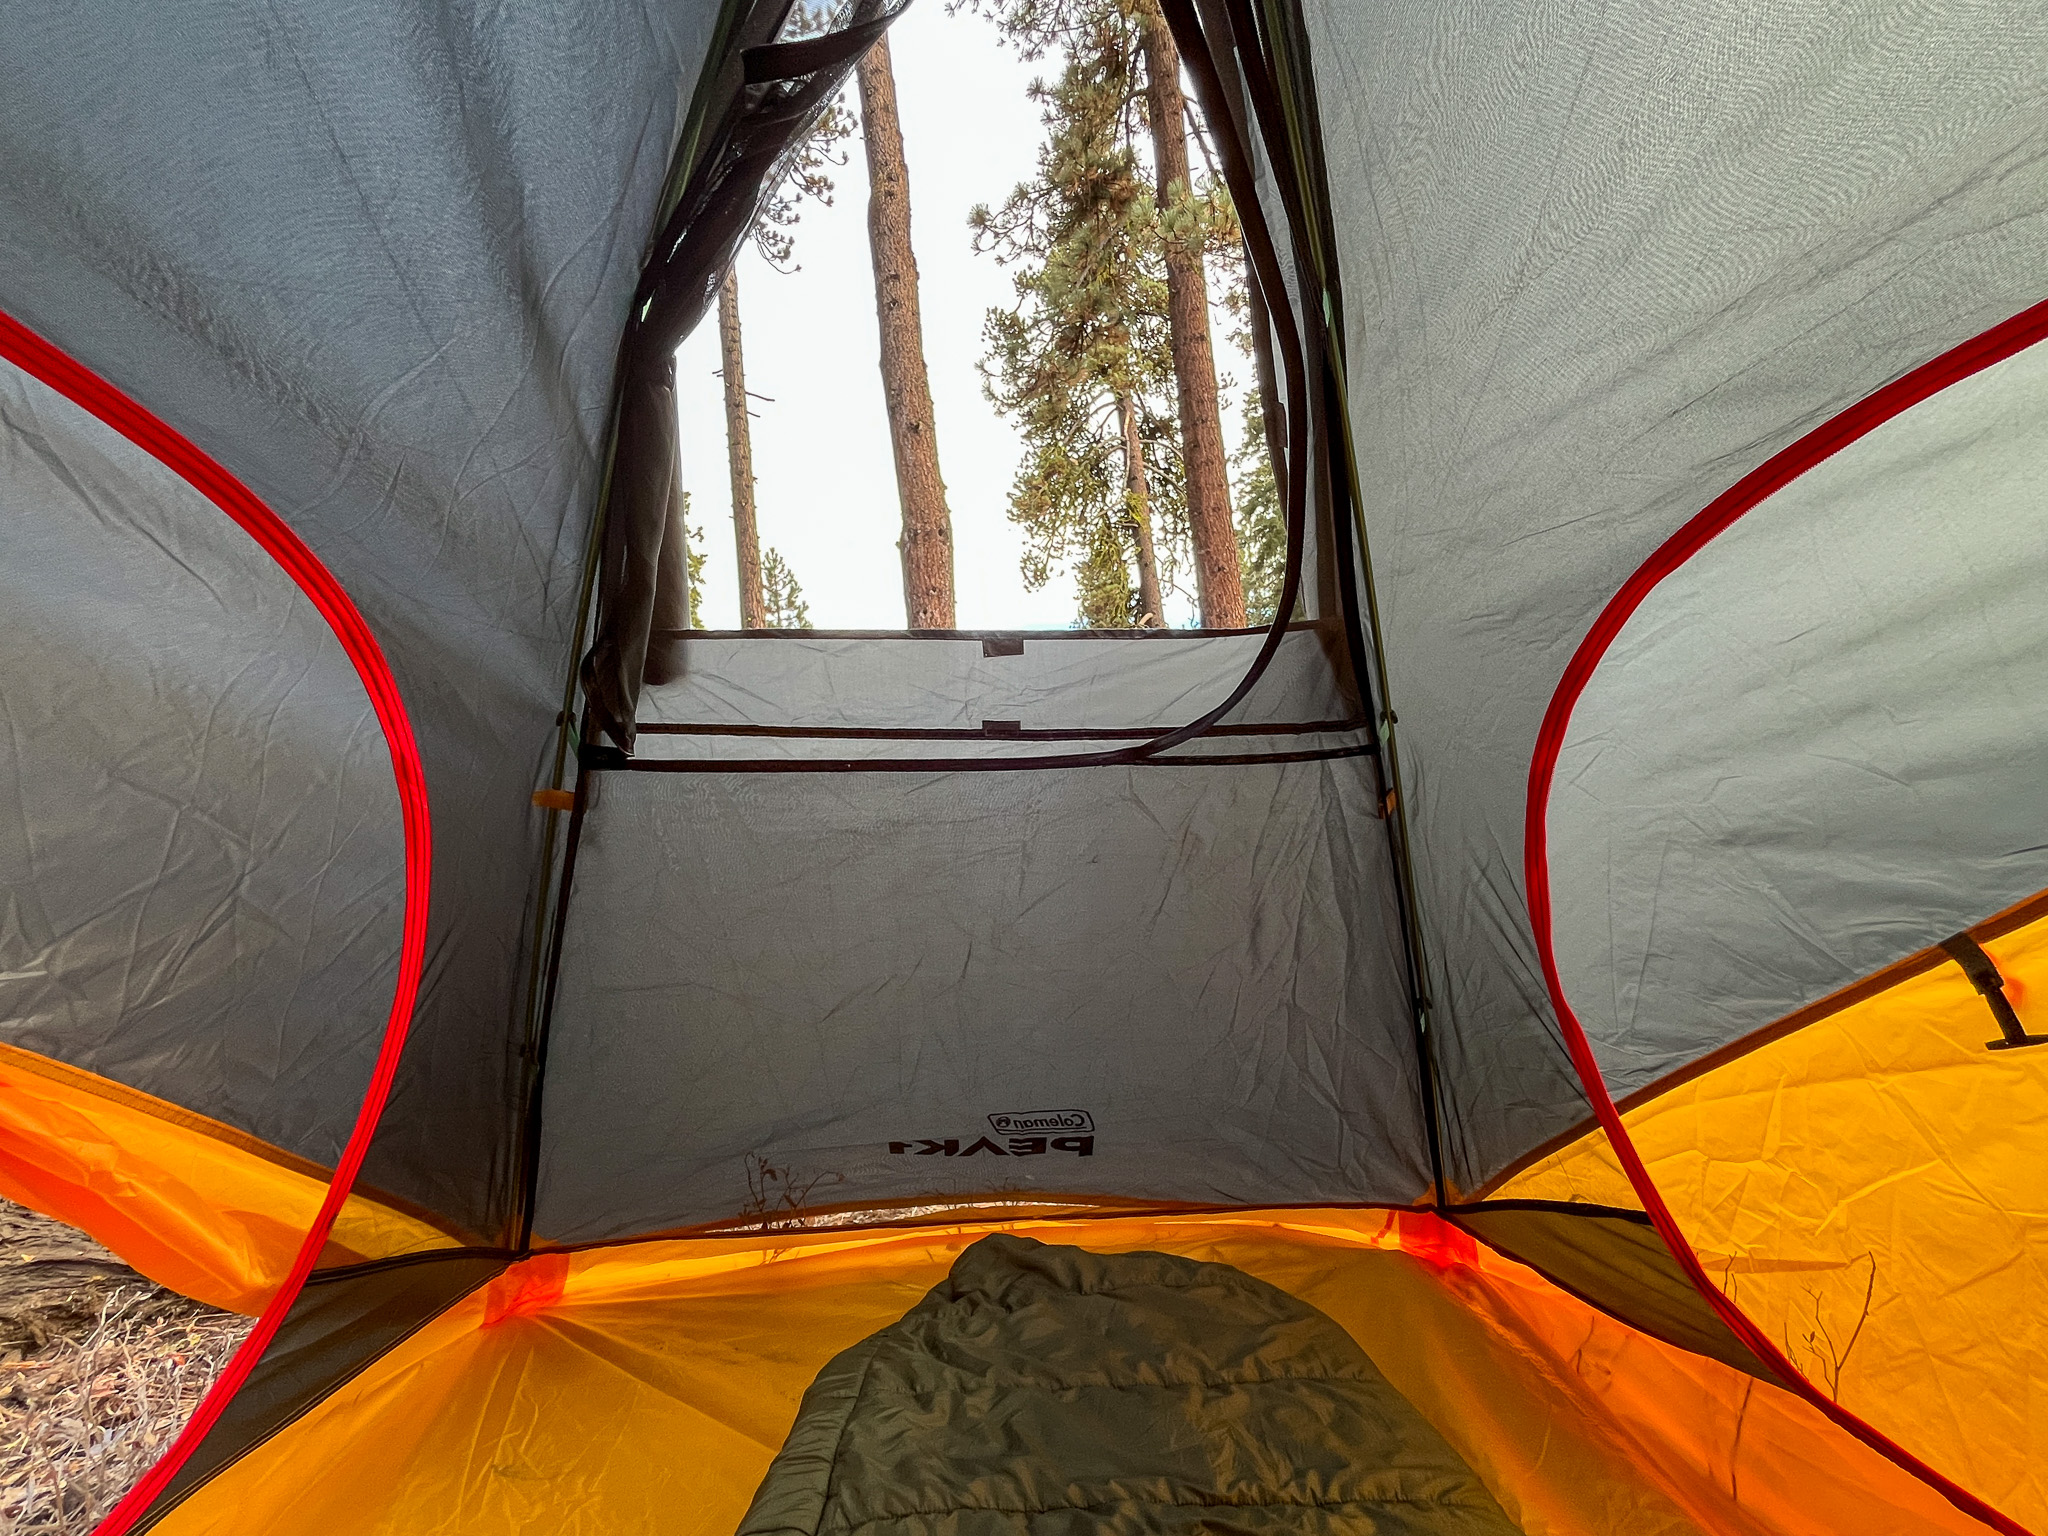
105, 1372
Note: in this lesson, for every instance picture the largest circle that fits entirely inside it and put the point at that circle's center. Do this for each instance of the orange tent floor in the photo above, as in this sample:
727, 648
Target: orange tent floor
646, 1386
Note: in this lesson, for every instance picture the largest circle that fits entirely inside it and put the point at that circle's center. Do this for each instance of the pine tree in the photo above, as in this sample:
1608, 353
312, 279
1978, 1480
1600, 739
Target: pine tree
739, 455
1083, 359
694, 560
783, 594
1184, 232
1189, 240
1261, 526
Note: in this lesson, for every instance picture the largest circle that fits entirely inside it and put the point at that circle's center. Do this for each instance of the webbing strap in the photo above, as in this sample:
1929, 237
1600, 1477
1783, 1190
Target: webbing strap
1984, 976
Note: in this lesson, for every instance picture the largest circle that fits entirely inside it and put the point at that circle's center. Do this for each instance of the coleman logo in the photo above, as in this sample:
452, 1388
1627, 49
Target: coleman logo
1042, 1122
1009, 1146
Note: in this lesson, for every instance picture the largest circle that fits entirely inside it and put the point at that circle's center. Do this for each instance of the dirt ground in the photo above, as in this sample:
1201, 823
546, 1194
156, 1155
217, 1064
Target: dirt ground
99, 1368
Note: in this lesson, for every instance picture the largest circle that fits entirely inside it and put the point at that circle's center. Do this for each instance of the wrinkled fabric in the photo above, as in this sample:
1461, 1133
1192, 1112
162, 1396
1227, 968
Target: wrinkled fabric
1052, 1391
376, 260
795, 991
200, 843
1815, 750
1597, 264
646, 1387
1869, 1188
210, 1213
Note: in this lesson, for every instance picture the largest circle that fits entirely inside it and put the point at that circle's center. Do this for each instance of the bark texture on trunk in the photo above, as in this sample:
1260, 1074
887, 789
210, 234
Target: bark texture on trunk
1219, 580
927, 542
739, 456
1138, 501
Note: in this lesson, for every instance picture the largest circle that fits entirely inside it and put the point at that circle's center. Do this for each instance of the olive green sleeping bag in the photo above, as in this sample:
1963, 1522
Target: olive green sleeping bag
1049, 1391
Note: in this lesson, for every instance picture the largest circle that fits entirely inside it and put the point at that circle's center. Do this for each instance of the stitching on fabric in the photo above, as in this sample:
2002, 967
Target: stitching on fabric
1178, 1383
1365, 1502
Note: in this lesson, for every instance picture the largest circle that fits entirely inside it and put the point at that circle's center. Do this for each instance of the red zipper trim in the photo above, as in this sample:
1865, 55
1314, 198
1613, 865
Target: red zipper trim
153, 436
1993, 346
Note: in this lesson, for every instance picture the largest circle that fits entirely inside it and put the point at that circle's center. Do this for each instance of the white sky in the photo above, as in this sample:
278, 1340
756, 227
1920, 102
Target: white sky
825, 482
826, 486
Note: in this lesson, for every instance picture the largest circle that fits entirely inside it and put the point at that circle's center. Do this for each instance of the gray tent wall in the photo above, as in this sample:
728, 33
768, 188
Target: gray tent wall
202, 850
828, 969
1578, 307
1855, 748
1517, 295
438, 427
376, 260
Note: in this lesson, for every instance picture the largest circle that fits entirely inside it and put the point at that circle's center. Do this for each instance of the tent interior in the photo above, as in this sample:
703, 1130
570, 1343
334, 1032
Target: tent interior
1541, 1037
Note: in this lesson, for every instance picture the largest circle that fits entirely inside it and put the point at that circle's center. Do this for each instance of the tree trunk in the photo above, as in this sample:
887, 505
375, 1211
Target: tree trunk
927, 543
1219, 583
739, 456
1138, 501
